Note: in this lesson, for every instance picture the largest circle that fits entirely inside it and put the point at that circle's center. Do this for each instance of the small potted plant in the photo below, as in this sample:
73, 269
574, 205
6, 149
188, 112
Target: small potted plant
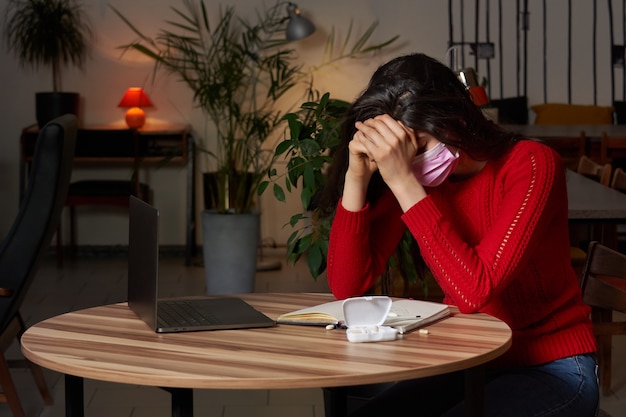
49, 33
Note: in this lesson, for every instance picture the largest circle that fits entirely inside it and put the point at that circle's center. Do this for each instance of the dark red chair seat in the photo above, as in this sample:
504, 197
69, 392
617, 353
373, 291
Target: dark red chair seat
98, 193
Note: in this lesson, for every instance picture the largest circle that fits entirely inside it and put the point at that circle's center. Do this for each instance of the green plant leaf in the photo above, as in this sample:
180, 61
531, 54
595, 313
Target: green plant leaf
306, 197
283, 147
263, 186
303, 244
279, 193
308, 176
295, 219
315, 261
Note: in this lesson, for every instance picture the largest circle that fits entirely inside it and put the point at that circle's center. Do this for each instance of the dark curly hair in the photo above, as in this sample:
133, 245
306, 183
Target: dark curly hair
426, 96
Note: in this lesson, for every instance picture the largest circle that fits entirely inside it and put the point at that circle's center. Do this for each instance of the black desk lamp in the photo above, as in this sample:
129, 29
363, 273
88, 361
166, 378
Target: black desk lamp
299, 27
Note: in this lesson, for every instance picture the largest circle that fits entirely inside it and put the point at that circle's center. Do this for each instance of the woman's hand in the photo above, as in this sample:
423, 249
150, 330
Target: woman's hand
360, 169
390, 147
360, 164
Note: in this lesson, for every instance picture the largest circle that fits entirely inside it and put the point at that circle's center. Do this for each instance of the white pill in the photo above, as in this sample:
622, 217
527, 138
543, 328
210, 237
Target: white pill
424, 331
330, 327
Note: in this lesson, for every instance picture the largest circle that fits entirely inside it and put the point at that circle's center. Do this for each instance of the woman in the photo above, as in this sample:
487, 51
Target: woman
488, 210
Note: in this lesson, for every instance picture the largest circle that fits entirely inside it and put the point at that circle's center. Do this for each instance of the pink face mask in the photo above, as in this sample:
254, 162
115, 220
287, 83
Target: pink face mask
432, 167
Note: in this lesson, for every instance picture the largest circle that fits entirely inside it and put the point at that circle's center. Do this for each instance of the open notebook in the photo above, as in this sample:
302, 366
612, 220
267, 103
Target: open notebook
405, 314
180, 314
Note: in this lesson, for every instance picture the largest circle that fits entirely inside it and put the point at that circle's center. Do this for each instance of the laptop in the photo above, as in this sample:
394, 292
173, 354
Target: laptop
180, 314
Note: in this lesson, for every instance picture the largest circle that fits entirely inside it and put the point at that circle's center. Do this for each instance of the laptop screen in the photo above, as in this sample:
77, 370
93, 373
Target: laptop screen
143, 260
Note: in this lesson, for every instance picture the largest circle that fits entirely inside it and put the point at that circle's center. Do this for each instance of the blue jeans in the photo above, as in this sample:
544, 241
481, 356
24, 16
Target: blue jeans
563, 388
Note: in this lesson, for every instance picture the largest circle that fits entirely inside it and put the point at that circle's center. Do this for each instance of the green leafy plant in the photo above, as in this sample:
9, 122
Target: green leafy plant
313, 134
48, 33
238, 71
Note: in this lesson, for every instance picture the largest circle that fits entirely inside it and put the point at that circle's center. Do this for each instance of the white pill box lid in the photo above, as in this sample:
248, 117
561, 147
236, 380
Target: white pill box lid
364, 317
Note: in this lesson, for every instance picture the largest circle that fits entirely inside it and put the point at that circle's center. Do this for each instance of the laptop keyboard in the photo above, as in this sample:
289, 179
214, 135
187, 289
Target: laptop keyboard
184, 313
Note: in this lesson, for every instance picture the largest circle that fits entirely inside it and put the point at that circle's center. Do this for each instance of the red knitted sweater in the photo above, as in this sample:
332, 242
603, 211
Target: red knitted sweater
496, 243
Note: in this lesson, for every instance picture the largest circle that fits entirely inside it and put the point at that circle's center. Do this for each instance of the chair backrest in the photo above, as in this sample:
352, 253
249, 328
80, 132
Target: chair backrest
589, 168
612, 148
604, 273
28, 239
619, 180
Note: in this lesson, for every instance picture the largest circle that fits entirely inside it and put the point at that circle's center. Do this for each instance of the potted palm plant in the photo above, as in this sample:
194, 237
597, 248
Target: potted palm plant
49, 33
238, 71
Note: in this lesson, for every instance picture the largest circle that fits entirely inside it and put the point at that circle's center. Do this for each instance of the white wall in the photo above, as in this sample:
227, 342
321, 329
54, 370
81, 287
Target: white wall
421, 24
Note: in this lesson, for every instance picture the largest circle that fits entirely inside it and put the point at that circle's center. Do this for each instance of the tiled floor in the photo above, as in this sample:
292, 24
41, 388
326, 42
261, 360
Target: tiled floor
97, 280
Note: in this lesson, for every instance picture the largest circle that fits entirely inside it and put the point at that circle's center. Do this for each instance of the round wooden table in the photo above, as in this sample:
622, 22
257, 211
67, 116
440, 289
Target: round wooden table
110, 343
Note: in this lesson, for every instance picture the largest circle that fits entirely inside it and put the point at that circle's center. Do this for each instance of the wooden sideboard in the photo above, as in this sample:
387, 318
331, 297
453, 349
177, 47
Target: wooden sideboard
109, 146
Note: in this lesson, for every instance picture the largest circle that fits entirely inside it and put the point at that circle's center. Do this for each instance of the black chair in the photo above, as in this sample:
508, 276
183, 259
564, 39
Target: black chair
90, 143
28, 240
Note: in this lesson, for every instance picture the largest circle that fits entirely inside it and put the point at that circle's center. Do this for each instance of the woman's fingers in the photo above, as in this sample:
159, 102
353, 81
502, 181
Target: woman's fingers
361, 161
384, 135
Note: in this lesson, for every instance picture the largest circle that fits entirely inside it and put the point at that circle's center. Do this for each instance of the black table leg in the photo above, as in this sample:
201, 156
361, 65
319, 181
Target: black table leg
339, 401
475, 391
182, 401
335, 402
74, 396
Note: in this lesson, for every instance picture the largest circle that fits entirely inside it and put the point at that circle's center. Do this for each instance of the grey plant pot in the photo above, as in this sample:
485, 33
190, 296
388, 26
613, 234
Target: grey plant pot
229, 245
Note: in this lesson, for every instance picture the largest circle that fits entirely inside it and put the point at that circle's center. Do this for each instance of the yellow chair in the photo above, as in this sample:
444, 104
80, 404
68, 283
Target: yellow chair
572, 114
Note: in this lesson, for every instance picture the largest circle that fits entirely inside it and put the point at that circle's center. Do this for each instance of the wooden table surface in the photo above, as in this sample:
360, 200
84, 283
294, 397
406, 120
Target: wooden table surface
110, 343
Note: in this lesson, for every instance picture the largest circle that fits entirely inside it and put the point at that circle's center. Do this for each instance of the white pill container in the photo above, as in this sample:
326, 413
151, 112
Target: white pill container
364, 318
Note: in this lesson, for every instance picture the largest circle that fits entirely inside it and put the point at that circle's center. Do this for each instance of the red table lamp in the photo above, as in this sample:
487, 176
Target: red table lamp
135, 98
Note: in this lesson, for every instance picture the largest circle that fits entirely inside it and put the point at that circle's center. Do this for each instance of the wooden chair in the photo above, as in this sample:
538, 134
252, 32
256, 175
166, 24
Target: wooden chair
121, 143
603, 284
590, 168
613, 150
28, 241
619, 180
570, 148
